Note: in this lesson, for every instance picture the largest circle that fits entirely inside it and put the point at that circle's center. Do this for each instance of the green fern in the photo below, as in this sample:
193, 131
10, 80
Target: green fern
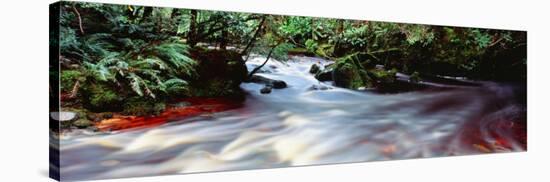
175, 54
175, 85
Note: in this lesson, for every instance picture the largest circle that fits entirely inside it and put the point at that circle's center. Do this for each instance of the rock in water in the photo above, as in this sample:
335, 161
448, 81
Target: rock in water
325, 74
82, 123
347, 76
278, 84
314, 69
266, 90
318, 87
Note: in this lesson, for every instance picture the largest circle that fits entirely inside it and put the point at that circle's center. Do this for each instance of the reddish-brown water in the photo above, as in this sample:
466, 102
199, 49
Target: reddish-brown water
196, 107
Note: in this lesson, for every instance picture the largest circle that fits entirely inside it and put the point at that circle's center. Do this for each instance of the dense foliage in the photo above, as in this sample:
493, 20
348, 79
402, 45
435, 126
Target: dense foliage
114, 57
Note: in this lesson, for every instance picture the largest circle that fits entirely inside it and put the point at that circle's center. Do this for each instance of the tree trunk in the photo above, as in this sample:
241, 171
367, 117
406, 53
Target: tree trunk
340, 27
175, 13
191, 37
147, 11
223, 38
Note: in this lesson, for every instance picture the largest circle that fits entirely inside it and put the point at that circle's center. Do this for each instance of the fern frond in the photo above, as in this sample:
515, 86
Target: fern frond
176, 55
175, 85
99, 72
135, 83
139, 85
152, 61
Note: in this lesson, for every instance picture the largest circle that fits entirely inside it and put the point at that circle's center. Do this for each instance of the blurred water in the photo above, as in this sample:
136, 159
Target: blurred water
298, 126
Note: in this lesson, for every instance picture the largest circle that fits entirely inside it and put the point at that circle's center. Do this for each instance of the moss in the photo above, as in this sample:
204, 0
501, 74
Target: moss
325, 50
384, 76
82, 123
220, 72
140, 106
215, 88
301, 51
69, 78
367, 80
348, 76
100, 97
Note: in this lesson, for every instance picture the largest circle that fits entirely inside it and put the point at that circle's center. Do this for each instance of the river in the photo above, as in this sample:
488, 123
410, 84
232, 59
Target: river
298, 126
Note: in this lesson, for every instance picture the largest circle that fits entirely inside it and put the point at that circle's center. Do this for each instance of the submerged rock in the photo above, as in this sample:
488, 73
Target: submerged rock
318, 87
266, 90
277, 84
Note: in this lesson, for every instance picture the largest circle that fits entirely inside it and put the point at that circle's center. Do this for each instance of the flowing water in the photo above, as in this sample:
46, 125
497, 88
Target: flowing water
302, 126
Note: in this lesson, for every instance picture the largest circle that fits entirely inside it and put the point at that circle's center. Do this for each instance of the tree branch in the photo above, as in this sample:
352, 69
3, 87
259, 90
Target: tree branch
74, 91
263, 64
254, 36
79, 19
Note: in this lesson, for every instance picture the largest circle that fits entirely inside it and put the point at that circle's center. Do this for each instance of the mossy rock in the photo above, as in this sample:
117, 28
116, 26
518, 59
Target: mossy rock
141, 106
368, 82
314, 69
362, 59
297, 51
326, 73
82, 123
347, 75
215, 88
384, 76
325, 50
220, 73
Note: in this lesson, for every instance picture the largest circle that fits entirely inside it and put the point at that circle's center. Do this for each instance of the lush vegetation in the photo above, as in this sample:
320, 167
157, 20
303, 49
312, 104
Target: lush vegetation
133, 59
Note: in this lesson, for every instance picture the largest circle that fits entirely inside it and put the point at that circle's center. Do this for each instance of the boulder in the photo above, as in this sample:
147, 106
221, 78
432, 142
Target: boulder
278, 84
314, 69
325, 74
219, 73
384, 76
347, 76
138, 106
97, 117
